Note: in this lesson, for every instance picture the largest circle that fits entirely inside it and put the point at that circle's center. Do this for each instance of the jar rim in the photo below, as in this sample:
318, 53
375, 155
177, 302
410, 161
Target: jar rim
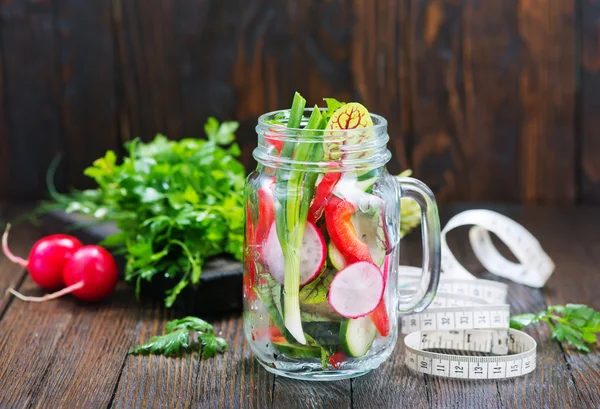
379, 122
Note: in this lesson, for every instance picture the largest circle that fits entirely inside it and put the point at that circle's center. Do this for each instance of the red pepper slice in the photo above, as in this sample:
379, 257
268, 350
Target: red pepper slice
272, 137
249, 279
266, 213
339, 226
380, 319
322, 195
337, 359
338, 215
272, 333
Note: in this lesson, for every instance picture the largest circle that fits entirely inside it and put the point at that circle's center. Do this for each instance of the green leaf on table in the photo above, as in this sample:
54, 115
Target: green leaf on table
186, 335
522, 320
577, 324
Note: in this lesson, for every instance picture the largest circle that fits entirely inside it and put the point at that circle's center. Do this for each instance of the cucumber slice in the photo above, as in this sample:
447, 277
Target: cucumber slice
357, 336
324, 333
366, 230
366, 184
335, 257
297, 351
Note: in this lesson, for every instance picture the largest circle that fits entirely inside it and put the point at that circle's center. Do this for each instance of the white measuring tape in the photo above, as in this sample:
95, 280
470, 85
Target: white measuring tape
472, 315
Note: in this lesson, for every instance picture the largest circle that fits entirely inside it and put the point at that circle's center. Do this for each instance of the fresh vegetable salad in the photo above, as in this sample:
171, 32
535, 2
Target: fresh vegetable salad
322, 228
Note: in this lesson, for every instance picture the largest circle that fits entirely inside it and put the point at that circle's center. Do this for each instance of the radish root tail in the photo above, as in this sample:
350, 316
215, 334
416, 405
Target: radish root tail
46, 297
15, 259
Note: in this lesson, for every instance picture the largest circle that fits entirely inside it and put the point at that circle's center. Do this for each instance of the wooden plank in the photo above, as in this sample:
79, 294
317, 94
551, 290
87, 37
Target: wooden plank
464, 71
234, 379
547, 94
589, 102
551, 369
444, 393
95, 342
30, 334
575, 252
21, 239
230, 380
380, 69
291, 393
149, 67
87, 69
274, 50
155, 381
391, 385
63, 338
553, 366
5, 181
31, 89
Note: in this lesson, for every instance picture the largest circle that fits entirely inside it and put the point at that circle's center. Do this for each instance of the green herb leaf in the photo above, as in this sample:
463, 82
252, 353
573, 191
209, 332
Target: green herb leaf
184, 335
520, 321
176, 204
222, 134
578, 325
332, 106
315, 292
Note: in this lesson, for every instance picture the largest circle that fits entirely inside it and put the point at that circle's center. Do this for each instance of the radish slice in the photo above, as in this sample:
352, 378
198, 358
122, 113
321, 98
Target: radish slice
356, 290
311, 261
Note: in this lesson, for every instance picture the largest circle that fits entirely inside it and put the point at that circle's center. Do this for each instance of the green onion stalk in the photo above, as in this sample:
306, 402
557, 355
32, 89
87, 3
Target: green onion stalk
294, 189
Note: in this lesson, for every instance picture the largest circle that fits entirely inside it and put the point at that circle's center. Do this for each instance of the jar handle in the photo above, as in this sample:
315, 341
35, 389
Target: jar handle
430, 228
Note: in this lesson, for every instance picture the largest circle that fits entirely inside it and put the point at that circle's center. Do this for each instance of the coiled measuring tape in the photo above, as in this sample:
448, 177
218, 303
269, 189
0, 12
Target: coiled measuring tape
471, 315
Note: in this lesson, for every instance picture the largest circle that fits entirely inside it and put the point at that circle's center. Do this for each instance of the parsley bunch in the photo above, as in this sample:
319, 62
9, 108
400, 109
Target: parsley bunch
577, 324
176, 203
189, 334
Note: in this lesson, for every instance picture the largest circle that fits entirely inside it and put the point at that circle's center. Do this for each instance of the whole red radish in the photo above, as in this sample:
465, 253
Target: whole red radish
47, 258
92, 273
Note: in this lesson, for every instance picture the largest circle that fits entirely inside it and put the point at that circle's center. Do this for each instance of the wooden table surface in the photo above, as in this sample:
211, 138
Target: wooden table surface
66, 354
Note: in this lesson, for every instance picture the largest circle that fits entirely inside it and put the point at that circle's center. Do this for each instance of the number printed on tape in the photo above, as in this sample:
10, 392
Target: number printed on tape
471, 315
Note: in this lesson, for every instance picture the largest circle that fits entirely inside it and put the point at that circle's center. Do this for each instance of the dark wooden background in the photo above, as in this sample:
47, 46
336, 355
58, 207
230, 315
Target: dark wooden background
488, 100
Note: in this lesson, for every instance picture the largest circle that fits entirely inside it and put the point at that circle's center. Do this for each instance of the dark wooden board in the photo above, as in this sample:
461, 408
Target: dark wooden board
220, 288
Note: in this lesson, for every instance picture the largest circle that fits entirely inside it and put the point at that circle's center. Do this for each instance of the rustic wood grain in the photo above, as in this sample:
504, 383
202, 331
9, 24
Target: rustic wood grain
464, 69
547, 94
155, 381
589, 102
230, 380
283, 47
393, 384
575, 252
67, 354
88, 84
380, 68
290, 393
149, 67
550, 385
95, 342
20, 240
5, 182
452, 393
234, 379
30, 335
31, 90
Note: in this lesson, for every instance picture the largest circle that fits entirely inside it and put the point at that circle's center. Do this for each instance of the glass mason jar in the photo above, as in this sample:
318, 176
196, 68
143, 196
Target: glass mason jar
321, 298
